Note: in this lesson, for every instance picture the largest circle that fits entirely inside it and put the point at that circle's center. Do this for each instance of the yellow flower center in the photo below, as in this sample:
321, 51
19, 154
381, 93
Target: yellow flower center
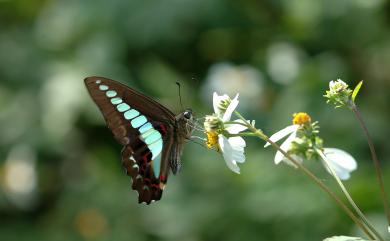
212, 139
301, 118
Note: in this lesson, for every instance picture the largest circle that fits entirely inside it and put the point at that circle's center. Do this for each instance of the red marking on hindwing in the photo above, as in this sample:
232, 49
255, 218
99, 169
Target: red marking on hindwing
142, 169
163, 129
163, 178
147, 157
147, 180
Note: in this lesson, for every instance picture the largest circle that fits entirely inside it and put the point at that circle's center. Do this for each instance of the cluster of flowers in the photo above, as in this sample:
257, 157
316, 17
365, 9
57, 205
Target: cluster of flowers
303, 141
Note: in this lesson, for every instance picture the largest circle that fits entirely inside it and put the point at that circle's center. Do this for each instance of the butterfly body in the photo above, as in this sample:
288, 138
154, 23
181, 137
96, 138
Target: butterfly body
151, 135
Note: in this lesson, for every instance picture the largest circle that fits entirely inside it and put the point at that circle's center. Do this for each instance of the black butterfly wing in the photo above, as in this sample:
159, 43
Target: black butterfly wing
145, 129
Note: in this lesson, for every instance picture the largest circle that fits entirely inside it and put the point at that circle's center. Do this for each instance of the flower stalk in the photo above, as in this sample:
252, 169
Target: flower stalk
341, 95
375, 160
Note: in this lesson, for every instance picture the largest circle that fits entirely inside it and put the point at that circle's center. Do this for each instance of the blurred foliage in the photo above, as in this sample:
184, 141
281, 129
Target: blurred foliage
60, 176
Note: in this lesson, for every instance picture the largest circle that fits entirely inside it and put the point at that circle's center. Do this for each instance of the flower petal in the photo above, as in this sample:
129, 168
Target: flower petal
282, 133
331, 84
285, 146
232, 151
278, 157
341, 158
235, 128
229, 111
342, 162
238, 144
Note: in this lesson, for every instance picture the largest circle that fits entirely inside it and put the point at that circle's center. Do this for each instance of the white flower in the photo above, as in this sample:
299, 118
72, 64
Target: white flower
232, 148
299, 119
308, 142
342, 162
292, 132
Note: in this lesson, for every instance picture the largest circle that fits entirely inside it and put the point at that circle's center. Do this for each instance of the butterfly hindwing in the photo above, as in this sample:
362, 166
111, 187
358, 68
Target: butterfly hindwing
147, 185
145, 129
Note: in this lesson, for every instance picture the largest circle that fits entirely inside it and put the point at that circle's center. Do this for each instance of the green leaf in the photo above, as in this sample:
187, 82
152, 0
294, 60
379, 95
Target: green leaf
356, 90
344, 238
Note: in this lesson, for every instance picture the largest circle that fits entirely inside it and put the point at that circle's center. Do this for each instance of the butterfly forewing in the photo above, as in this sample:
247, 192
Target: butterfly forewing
145, 129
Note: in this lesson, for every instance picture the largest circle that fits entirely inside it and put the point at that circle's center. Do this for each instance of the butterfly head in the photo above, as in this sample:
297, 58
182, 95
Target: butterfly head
185, 122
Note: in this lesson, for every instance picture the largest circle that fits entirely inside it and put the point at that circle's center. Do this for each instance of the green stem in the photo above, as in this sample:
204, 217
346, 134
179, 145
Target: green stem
348, 196
240, 134
375, 160
307, 172
235, 122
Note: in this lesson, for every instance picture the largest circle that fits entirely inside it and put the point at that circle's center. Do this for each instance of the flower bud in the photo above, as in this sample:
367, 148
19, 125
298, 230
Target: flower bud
224, 103
212, 123
339, 93
337, 86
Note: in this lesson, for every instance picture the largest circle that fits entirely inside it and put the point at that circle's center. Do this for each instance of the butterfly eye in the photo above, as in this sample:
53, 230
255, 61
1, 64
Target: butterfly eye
187, 115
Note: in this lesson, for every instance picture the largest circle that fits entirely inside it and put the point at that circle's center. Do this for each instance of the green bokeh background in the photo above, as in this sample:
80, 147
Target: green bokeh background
60, 174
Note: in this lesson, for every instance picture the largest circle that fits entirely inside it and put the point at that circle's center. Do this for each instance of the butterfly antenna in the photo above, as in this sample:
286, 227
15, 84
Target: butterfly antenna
179, 86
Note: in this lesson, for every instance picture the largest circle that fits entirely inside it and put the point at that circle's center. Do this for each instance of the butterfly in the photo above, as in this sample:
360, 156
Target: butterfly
152, 136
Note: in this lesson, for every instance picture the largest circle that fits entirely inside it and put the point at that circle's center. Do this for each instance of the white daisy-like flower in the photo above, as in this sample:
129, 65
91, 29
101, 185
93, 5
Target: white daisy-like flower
298, 120
232, 148
342, 162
